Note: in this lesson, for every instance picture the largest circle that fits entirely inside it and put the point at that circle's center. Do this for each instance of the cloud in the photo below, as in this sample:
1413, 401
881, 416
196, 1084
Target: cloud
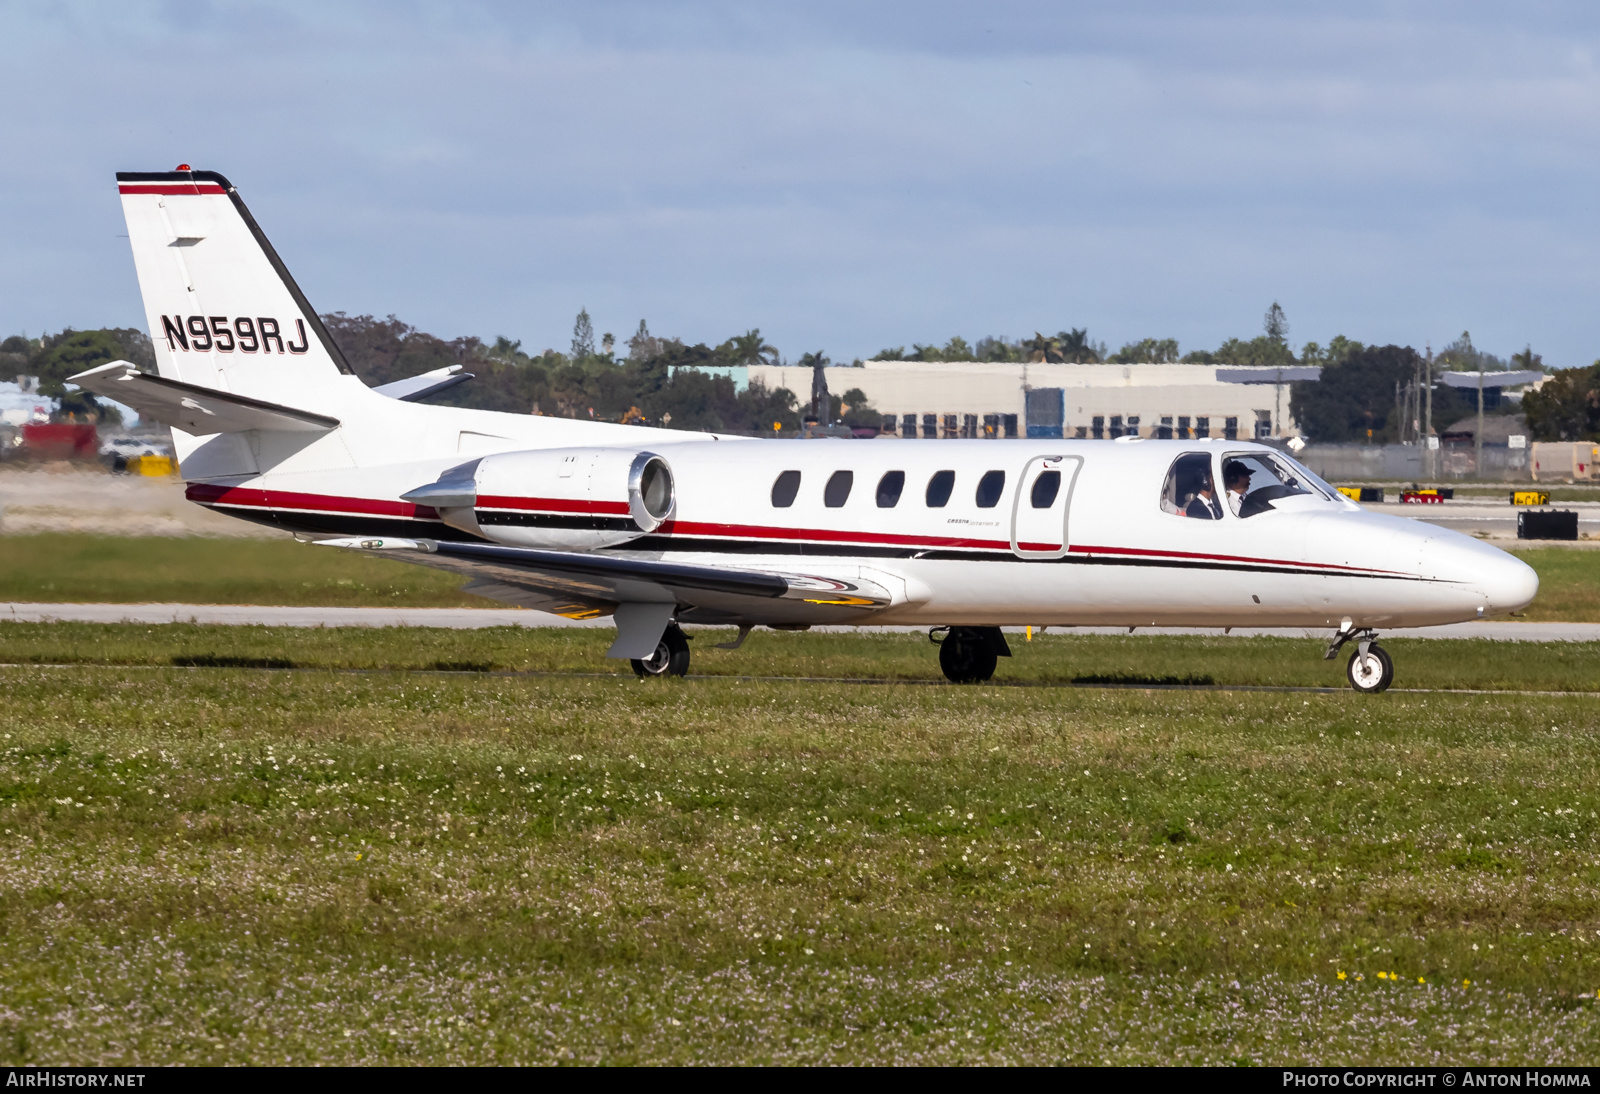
844, 177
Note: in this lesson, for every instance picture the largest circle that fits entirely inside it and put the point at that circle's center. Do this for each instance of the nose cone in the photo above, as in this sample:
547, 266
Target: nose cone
1509, 584
1500, 582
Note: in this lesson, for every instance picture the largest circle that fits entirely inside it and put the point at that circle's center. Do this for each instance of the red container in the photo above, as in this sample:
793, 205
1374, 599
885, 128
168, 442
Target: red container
1411, 497
61, 441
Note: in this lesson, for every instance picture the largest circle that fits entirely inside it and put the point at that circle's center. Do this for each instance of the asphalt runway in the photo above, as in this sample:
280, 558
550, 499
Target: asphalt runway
1493, 519
477, 618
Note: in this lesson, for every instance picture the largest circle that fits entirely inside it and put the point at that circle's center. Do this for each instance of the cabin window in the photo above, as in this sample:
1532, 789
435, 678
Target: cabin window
990, 487
785, 489
837, 492
889, 488
1254, 482
1045, 489
939, 488
1190, 491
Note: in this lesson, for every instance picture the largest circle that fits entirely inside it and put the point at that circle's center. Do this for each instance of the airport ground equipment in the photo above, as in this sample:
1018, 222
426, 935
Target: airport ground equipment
1547, 524
1530, 497
1363, 493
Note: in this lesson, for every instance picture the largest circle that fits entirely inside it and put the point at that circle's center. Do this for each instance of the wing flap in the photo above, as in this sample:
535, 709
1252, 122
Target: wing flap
594, 584
192, 408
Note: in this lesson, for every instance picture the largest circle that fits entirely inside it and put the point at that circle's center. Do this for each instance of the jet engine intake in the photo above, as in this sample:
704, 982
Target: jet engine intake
573, 499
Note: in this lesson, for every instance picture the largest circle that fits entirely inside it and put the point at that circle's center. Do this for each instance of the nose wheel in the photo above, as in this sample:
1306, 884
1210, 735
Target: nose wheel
1370, 668
670, 659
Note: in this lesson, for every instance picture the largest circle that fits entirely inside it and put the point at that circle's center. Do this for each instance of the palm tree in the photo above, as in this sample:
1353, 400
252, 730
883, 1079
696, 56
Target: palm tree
1075, 346
750, 348
1041, 348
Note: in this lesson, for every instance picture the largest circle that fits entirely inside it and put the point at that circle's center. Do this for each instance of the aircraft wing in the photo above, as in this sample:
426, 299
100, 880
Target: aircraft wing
581, 584
192, 408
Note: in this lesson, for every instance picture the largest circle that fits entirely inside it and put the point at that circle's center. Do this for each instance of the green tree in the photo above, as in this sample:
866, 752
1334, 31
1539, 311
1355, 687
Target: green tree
997, 349
1566, 407
1147, 351
957, 350
582, 335
1356, 394
72, 352
1261, 350
856, 411
1527, 359
898, 353
748, 348
1076, 347
1276, 325
1043, 350
643, 346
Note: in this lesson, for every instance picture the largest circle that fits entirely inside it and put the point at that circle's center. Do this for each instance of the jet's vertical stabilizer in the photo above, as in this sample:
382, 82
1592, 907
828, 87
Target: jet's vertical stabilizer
223, 311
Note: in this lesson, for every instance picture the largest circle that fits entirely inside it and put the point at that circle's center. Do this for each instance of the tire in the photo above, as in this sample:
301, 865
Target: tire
670, 659
1373, 674
966, 660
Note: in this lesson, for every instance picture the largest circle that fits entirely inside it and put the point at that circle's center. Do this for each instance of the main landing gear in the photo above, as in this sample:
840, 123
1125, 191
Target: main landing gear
1370, 669
968, 655
671, 657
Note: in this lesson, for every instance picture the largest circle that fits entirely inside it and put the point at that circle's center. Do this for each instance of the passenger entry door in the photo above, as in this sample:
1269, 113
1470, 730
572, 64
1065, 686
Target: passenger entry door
1042, 506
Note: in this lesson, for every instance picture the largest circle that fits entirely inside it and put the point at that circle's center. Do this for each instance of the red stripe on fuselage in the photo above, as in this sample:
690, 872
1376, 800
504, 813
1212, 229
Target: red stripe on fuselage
170, 189
242, 497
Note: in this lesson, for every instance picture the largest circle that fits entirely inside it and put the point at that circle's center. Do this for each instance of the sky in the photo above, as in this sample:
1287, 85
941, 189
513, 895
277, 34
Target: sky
844, 176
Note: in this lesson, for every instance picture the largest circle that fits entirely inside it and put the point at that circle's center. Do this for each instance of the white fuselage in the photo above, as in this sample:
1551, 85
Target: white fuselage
1102, 552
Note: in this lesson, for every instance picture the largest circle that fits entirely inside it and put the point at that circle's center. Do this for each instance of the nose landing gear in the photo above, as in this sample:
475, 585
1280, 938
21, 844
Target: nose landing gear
1370, 669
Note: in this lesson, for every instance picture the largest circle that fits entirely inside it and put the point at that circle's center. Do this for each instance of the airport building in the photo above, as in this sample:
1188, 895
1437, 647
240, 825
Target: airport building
946, 399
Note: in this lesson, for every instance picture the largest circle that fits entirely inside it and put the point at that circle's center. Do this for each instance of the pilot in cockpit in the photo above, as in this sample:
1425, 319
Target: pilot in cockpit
1236, 481
1203, 503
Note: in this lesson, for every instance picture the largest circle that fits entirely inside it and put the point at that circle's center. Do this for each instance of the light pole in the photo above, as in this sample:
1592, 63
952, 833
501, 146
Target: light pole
1477, 436
1428, 442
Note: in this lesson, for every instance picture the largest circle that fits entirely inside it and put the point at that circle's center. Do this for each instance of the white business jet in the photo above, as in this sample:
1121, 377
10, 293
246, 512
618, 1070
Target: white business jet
658, 528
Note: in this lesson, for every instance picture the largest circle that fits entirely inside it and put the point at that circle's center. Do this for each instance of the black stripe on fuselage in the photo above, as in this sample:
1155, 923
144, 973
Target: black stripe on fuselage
347, 524
505, 518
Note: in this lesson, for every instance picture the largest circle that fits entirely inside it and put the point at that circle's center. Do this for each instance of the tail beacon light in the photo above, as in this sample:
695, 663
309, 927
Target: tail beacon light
570, 499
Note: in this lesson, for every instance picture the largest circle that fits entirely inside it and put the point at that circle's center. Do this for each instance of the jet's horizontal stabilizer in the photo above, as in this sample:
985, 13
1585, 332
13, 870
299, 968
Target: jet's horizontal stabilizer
192, 408
414, 388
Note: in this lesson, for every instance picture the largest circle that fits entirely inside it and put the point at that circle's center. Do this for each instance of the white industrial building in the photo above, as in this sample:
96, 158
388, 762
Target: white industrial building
986, 399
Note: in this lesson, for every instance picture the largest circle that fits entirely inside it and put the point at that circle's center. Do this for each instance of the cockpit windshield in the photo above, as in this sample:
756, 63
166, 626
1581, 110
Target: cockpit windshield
1253, 482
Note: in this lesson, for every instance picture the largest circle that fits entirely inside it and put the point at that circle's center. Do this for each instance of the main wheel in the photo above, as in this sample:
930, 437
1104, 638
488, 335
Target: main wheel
671, 657
1371, 672
966, 660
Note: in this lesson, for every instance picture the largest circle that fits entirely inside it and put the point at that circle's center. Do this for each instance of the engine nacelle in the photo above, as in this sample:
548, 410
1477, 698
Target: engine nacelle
573, 499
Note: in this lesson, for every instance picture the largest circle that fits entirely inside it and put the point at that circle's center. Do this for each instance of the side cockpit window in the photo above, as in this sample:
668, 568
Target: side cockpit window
1190, 490
785, 489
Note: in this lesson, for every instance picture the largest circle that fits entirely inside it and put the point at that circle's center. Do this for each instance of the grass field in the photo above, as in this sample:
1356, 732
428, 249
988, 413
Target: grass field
72, 568
1131, 660
81, 569
227, 865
